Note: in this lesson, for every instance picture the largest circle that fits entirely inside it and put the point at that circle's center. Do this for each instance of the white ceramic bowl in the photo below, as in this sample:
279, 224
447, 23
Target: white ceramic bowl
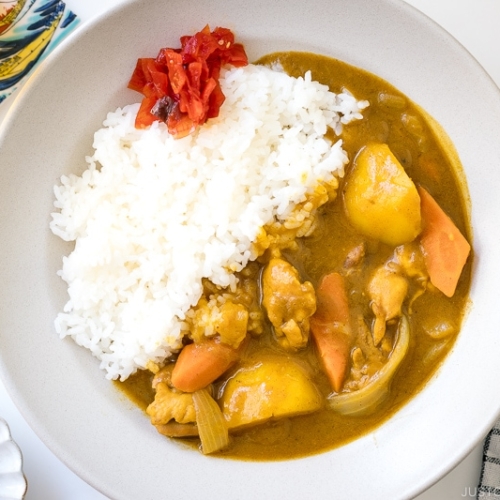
12, 481
58, 386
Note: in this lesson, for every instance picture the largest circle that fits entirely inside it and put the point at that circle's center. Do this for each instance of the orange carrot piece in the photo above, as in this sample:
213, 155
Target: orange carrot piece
330, 328
198, 365
444, 247
331, 298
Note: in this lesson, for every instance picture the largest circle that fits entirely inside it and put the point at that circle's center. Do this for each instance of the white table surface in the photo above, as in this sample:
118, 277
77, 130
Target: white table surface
476, 25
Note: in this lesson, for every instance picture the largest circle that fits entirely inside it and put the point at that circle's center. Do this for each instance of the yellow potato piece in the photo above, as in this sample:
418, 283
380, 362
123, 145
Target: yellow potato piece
269, 389
381, 201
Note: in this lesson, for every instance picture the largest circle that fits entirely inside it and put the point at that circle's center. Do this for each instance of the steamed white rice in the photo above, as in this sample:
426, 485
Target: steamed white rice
151, 216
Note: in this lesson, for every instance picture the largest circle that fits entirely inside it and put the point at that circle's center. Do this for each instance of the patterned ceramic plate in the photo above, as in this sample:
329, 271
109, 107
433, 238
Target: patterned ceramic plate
29, 29
12, 481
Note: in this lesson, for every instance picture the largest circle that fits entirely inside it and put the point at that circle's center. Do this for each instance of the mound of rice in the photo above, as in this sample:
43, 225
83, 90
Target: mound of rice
151, 216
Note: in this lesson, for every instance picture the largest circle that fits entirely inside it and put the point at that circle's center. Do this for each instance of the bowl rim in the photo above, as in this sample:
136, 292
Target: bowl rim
26, 94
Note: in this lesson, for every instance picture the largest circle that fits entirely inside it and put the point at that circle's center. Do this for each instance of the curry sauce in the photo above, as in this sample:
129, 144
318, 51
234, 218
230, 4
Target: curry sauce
392, 119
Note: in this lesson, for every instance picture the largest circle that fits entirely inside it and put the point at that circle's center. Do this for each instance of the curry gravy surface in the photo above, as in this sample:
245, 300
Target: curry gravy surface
391, 118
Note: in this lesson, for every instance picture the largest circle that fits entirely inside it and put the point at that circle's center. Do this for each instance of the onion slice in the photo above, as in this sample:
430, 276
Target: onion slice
365, 400
212, 427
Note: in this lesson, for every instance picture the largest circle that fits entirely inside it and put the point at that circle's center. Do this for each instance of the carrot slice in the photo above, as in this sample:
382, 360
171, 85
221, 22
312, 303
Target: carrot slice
444, 247
198, 365
331, 299
330, 328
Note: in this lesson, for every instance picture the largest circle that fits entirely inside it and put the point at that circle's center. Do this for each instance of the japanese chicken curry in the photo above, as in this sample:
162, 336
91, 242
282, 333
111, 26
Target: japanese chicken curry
343, 318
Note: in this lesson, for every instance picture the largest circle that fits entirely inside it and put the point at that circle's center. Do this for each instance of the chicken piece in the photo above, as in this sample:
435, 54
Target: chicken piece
174, 429
170, 404
411, 260
358, 358
403, 275
387, 291
227, 319
355, 256
288, 302
366, 358
232, 324
247, 293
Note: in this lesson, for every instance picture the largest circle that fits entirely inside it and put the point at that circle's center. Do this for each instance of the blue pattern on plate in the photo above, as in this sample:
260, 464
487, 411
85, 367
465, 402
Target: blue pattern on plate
29, 29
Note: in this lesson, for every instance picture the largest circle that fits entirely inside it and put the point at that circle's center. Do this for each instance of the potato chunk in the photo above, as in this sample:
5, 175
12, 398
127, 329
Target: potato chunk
381, 201
270, 389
